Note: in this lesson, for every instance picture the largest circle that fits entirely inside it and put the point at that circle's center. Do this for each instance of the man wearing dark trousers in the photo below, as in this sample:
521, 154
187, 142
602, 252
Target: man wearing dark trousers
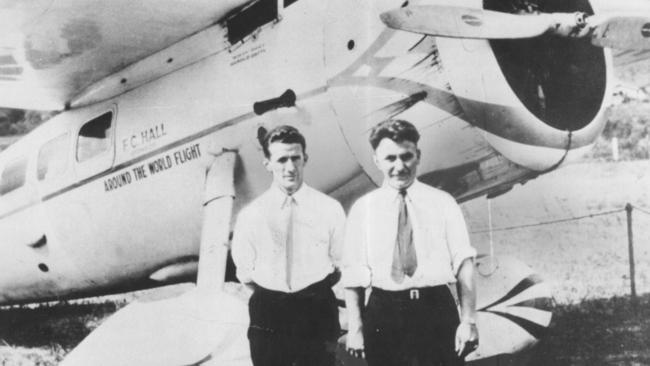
286, 246
407, 241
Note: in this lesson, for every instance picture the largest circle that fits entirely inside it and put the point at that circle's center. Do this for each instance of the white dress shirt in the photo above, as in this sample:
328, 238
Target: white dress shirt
259, 243
439, 235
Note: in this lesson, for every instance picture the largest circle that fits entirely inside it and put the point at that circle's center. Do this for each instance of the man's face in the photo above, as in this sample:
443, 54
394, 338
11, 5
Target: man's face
398, 161
286, 162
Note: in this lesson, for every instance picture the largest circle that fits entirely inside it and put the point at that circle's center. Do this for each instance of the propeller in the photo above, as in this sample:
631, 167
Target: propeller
614, 31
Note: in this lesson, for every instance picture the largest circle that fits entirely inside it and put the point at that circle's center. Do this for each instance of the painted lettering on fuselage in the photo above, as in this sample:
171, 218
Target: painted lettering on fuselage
247, 54
144, 137
161, 164
117, 181
187, 154
153, 167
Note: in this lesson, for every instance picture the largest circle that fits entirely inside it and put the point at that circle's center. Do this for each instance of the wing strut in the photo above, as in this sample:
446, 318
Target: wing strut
217, 215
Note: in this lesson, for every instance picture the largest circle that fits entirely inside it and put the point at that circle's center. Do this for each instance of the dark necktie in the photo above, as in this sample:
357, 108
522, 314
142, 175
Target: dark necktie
405, 261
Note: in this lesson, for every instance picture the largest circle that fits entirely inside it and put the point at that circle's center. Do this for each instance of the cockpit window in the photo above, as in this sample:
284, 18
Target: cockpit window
52, 160
94, 137
250, 18
13, 176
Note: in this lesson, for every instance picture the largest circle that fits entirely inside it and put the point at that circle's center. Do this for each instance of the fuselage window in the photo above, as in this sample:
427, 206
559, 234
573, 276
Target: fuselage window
52, 158
13, 176
94, 137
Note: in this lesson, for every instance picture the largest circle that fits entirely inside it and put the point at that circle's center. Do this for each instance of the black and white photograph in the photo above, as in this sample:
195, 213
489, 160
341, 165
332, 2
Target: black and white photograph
324, 182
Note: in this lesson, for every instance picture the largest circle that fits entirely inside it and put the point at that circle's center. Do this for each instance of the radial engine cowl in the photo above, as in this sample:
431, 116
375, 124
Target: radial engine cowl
540, 100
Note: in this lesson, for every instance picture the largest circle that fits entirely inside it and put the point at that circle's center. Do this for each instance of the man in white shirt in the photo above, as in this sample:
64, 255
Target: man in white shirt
407, 241
287, 246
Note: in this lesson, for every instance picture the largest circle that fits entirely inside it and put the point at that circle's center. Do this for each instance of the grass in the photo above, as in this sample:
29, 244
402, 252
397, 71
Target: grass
597, 332
42, 335
593, 332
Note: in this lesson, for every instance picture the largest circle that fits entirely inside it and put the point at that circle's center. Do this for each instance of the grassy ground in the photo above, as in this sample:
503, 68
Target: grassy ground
597, 332
593, 332
43, 335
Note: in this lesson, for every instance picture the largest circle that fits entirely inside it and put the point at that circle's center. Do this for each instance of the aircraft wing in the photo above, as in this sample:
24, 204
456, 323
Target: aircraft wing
50, 50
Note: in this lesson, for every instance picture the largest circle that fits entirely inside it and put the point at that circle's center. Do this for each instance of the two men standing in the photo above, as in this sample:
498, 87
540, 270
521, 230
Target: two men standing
405, 240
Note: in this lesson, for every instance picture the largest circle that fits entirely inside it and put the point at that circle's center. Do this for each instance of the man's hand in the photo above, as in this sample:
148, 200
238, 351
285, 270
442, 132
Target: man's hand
466, 338
354, 344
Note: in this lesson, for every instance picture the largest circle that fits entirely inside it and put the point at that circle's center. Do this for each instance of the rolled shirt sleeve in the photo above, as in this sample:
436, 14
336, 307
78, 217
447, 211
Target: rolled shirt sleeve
457, 237
243, 252
356, 271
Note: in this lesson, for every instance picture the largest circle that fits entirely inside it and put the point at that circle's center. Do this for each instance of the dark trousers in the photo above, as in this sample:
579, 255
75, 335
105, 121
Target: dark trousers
404, 328
294, 329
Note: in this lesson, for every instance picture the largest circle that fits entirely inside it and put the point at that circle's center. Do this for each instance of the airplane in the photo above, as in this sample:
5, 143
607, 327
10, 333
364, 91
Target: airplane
135, 183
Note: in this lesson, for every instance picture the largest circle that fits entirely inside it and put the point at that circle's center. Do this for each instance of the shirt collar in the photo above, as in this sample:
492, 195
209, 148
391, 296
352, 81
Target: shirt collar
279, 197
301, 194
393, 193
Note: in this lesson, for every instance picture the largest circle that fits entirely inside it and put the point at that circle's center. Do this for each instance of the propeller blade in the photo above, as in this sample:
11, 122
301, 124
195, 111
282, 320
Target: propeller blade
460, 22
620, 32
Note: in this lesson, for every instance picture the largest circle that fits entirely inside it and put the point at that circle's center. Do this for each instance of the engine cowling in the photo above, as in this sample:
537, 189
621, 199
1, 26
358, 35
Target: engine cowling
546, 96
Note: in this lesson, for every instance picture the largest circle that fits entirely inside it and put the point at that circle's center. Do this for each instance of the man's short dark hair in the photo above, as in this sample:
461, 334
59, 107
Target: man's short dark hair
395, 129
285, 134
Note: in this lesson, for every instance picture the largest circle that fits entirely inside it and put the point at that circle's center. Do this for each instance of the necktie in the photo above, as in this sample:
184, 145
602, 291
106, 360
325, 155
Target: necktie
405, 260
288, 205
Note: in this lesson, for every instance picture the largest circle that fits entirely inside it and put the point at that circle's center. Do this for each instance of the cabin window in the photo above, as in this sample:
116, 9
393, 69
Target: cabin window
13, 176
52, 158
94, 137
250, 18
